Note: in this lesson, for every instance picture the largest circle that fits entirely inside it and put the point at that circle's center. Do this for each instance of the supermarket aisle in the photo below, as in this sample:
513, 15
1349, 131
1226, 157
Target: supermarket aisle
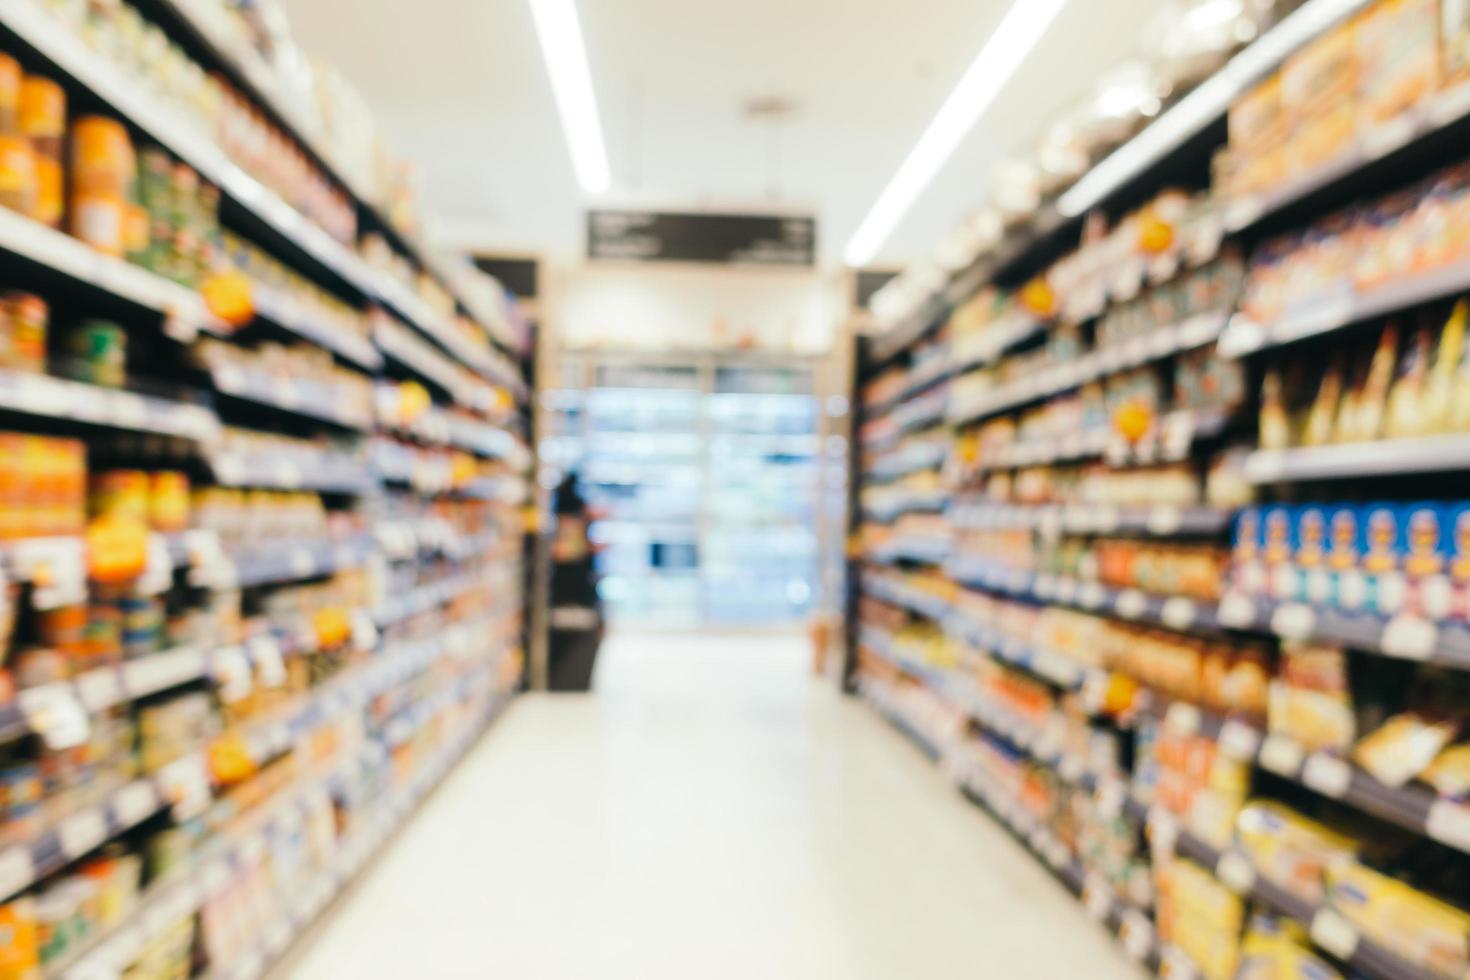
711, 813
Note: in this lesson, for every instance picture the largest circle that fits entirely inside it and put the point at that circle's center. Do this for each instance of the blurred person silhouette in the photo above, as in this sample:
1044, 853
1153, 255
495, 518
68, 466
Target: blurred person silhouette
576, 613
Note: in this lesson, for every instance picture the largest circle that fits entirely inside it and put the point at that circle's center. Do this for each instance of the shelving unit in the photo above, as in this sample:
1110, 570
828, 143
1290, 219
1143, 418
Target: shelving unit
1061, 578
294, 597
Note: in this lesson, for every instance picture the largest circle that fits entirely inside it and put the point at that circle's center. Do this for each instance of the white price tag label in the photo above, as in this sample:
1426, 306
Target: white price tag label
1236, 872
100, 688
1239, 741
17, 869
1236, 611
1131, 604
1328, 775
1097, 898
1410, 637
1066, 591
54, 713
1163, 831
1106, 519
186, 786
1282, 755
1164, 520
1090, 595
1174, 964
1178, 613
81, 832
270, 666
1293, 621
1183, 718
135, 803
1334, 933
1449, 823
232, 673
1137, 934
303, 563
1111, 795
130, 411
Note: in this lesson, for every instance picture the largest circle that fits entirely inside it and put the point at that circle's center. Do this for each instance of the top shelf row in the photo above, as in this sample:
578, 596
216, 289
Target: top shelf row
1283, 131
192, 120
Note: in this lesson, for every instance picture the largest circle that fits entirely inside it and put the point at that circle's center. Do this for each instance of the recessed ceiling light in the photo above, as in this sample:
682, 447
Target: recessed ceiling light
560, 34
1019, 31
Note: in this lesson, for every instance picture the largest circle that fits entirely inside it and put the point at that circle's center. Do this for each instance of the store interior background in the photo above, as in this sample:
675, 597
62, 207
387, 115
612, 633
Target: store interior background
705, 107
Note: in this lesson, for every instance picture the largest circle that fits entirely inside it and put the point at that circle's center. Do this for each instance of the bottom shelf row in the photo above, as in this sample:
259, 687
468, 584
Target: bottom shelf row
1198, 888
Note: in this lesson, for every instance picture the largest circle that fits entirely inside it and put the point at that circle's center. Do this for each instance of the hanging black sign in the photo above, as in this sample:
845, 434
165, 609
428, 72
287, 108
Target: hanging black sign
728, 239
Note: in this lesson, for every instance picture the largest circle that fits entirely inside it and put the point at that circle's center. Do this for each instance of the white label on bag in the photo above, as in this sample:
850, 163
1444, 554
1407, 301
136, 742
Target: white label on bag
1091, 595
1183, 718
17, 869
1293, 621
1239, 741
269, 665
302, 562
1110, 798
1328, 775
1163, 831
1282, 755
1334, 933
54, 713
1097, 898
1236, 872
1178, 613
135, 803
100, 688
1409, 637
1137, 934
1449, 823
82, 832
1131, 604
233, 674
1236, 611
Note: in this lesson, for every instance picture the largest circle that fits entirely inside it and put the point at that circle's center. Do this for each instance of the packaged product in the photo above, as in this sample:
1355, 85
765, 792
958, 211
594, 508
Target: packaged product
20, 955
1423, 930
18, 180
1292, 850
1457, 519
1201, 916
1373, 402
1277, 948
43, 123
1345, 557
1319, 94
97, 353
1406, 416
1428, 546
23, 322
1404, 747
1398, 57
1439, 394
1454, 33
1322, 414
1311, 700
1309, 552
1383, 548
10, 80
1449, 773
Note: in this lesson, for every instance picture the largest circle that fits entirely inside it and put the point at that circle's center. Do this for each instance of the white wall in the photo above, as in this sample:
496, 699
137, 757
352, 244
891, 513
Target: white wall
687, 307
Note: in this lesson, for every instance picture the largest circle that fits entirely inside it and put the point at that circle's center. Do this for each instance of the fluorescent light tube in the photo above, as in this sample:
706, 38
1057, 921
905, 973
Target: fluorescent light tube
560, 34
1206, 103
1019, 31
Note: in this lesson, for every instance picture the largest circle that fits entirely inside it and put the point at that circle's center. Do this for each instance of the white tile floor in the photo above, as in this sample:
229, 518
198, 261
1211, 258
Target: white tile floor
711, 813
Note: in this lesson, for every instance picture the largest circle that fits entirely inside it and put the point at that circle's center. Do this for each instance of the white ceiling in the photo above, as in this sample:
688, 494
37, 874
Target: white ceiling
460, 88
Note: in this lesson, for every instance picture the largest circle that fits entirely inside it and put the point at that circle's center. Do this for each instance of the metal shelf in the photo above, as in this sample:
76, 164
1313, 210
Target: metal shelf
73, 401
1428, 454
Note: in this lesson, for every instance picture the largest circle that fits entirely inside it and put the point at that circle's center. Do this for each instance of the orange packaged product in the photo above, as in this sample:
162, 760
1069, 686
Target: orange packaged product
121, 494
17, 174
10, 76
23, 323
42, 118
1319, 90
11, 484
168, 501
1398, 58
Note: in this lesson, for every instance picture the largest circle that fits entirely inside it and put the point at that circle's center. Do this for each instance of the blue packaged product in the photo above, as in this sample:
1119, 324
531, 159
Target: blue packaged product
1382, 528
1247, 570
1278, 537
1310, 553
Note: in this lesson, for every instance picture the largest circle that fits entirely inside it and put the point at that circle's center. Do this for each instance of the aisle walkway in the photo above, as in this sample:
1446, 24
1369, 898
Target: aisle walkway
711, 814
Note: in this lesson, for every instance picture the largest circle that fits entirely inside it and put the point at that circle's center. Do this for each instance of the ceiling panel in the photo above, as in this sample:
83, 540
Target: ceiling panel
460, 87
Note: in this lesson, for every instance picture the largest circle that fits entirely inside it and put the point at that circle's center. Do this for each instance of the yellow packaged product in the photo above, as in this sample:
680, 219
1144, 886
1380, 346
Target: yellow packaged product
1276, 948
1449, 773
1290, 849
1310, 698
1454, 34
1403, 747
1423, 930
